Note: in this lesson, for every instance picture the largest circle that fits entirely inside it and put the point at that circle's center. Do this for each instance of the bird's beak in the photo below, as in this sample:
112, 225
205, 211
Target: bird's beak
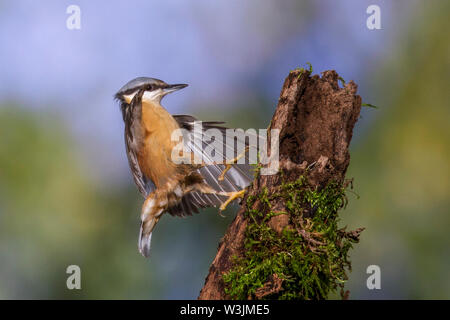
174, 87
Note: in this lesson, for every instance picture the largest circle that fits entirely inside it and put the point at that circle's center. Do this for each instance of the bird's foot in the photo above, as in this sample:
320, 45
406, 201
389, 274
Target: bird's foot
230, 163
231, 197
222, 175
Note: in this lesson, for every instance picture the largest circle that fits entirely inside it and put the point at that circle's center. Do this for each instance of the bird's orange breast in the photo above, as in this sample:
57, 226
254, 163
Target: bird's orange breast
155, 155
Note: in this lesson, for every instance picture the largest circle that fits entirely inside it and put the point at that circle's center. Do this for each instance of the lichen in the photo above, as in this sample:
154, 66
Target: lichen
310, 256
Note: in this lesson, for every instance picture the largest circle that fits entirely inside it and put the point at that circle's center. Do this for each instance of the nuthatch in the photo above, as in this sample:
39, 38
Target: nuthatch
167, 185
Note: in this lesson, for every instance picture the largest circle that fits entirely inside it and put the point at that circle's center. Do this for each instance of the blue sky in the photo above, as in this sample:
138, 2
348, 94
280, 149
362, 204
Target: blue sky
225, 50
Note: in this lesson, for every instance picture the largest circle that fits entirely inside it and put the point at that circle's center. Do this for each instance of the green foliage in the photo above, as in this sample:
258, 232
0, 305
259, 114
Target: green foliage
53, 214
402, 165
310, 255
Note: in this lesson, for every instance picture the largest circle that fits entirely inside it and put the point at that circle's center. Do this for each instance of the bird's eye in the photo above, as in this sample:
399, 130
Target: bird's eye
149, 87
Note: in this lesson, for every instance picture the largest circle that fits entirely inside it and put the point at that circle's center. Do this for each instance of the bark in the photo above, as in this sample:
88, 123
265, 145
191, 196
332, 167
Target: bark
315, 116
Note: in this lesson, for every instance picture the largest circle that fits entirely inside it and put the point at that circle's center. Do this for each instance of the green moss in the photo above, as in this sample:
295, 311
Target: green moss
310, 256
368, 105
303, 70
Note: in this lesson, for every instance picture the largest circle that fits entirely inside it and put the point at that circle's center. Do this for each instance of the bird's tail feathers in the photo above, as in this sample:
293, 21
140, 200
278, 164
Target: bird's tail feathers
145, 235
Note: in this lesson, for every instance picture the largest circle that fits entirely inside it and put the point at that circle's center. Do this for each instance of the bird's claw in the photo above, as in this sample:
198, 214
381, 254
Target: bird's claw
231, 197
230, 163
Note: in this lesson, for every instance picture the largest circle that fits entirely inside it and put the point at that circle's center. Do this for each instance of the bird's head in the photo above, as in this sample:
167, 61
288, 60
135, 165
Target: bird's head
152, 90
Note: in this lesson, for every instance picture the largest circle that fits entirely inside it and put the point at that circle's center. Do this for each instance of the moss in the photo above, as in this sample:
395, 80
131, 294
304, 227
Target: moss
303, 70
368, 105
310, 256
342, 81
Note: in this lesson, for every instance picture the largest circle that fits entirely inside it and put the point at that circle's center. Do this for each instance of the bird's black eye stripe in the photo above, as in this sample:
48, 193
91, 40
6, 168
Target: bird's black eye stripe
129, 91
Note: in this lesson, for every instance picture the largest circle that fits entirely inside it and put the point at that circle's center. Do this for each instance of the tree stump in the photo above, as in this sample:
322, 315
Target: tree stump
283, 221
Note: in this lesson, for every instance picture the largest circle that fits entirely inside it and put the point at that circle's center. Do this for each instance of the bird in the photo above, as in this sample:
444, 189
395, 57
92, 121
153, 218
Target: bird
179, 188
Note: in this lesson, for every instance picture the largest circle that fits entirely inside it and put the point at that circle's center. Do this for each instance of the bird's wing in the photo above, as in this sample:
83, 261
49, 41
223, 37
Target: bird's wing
237, 178
144, 185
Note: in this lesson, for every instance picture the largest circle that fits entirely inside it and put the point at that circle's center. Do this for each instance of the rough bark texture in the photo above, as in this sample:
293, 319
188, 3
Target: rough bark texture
315, 117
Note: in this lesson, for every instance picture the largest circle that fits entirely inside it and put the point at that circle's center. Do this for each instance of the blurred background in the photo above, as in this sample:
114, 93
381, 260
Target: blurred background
66, 193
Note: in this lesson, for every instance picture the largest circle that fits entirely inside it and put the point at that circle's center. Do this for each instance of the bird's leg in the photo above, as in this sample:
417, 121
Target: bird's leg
204, 188
229, 164
231, 197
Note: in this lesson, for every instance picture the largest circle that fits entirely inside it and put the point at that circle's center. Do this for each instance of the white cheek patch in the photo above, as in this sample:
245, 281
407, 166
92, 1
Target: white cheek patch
153, 96
129, 97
